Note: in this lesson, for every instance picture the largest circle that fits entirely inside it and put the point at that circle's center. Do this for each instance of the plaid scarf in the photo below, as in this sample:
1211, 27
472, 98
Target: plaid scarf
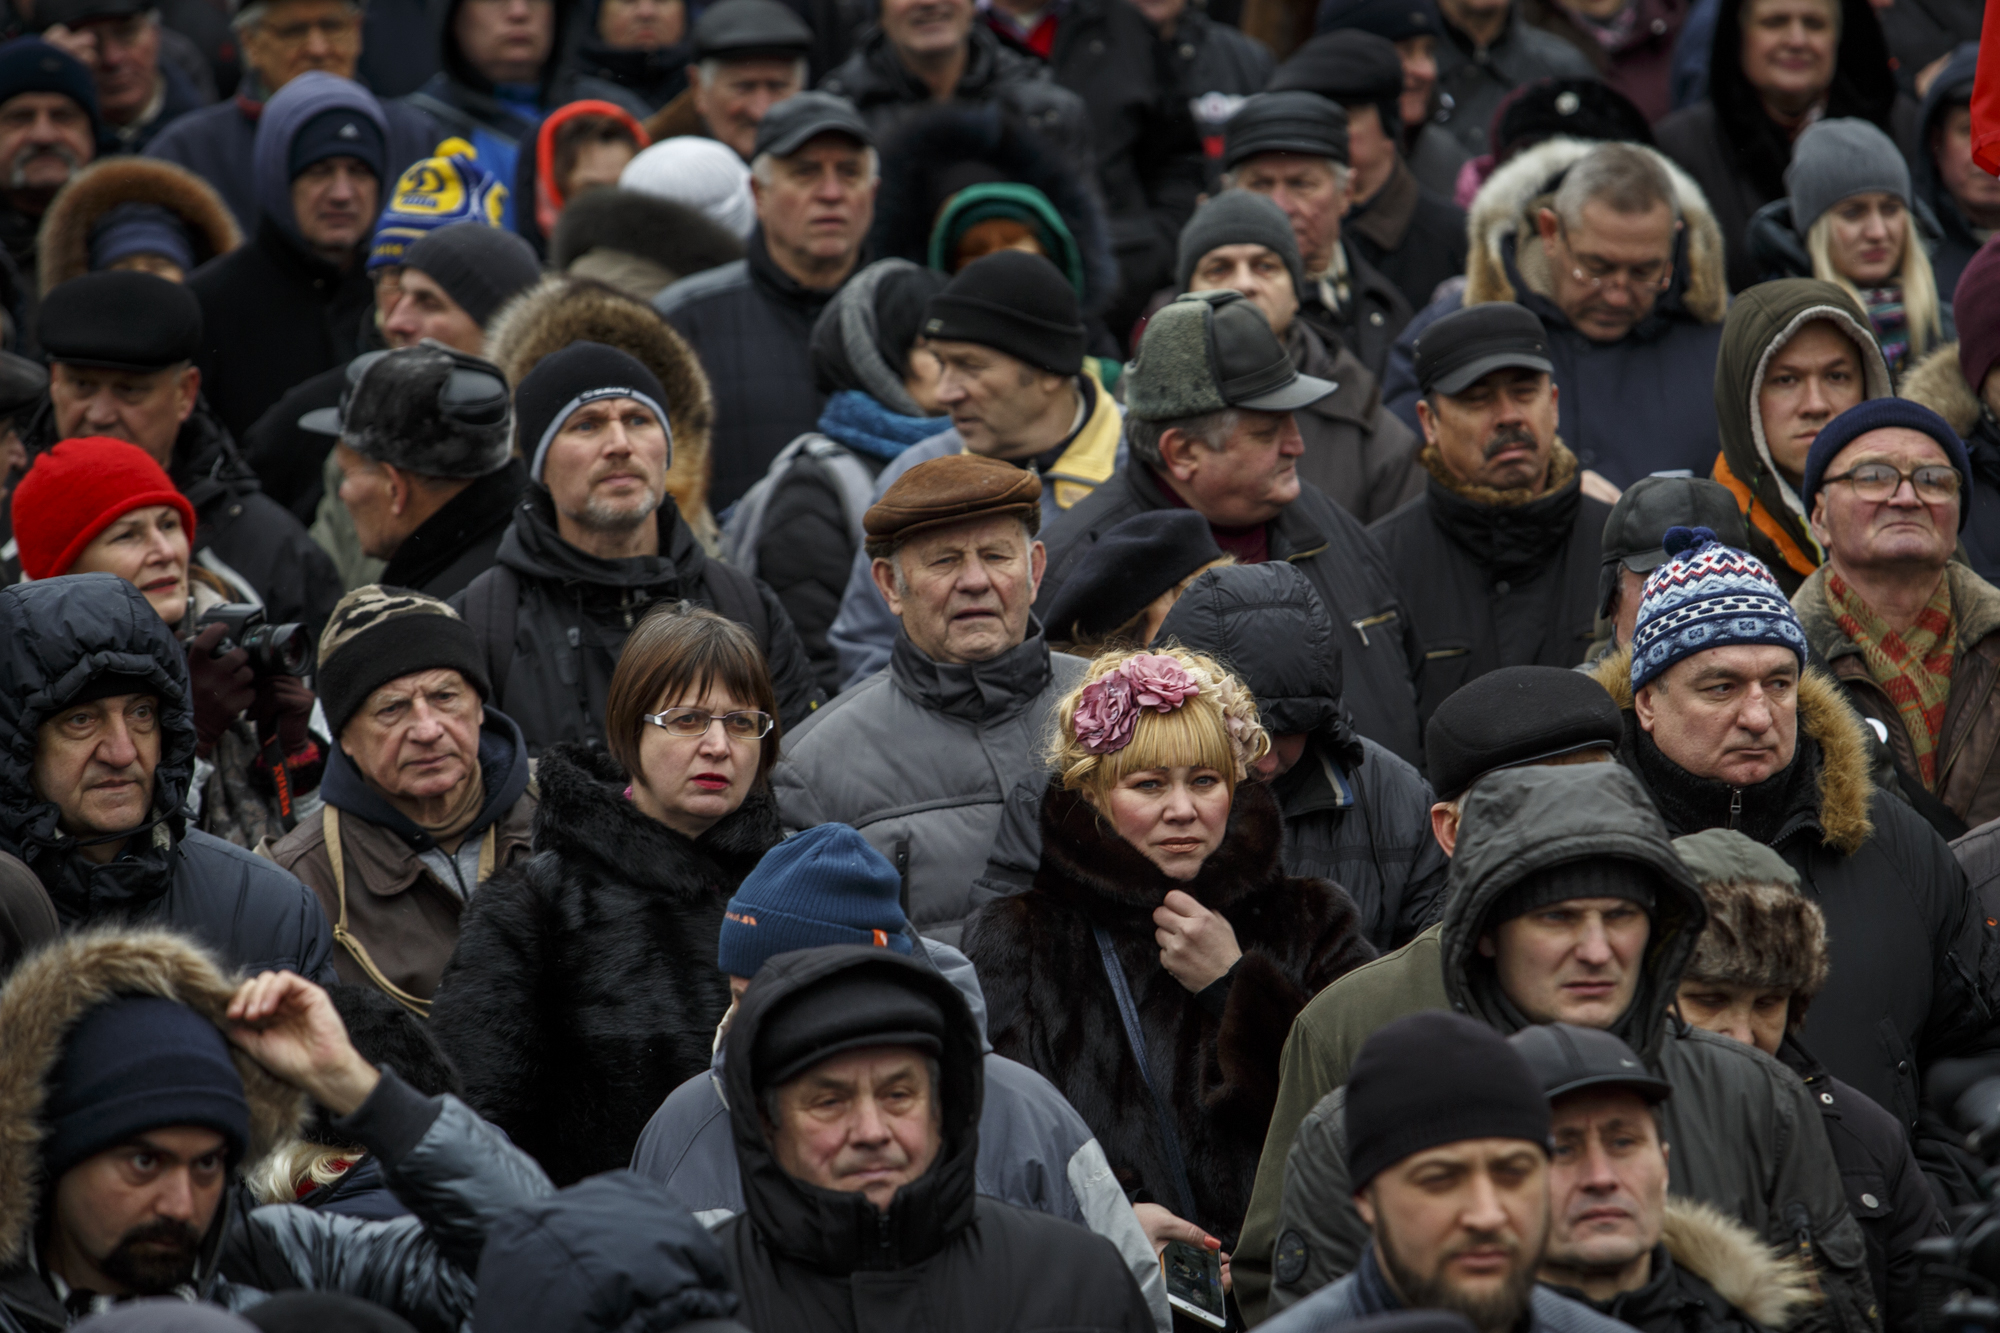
1913, 668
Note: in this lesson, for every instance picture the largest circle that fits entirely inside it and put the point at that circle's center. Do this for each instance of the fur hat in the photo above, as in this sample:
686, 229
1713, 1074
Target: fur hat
431, 410
1761, 930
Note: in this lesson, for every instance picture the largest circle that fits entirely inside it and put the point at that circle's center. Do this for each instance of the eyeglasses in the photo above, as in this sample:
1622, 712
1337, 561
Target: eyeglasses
1651, 276
688, 723
1934, 483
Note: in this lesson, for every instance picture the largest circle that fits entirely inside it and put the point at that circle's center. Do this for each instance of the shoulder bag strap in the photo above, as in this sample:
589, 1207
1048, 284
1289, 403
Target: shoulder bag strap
1135, 1037
330, 824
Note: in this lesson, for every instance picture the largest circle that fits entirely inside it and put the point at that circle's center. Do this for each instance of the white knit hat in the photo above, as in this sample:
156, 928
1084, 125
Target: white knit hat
701, 173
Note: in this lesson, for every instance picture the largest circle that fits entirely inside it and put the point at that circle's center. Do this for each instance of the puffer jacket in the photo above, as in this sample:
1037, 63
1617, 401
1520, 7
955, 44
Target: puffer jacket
1747, 1137
458, 1174
1968, 742
1915, 973
60, 635
1628, 408
920, 758
1496, 578
1710, 1274
552, 619
1938, 382
811, 1260
1760, 322
1034, 1150
583, 989
1053, 1007
1364, 458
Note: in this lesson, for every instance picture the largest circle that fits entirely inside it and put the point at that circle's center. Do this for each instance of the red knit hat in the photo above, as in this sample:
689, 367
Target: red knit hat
77, 490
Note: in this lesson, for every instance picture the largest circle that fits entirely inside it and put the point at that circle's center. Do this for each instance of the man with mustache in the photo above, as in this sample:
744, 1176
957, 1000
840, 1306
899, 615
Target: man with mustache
1498, 558
49, 128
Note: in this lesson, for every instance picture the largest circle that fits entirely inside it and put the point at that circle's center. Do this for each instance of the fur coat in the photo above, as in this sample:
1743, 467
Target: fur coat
584, 987
1050, 1005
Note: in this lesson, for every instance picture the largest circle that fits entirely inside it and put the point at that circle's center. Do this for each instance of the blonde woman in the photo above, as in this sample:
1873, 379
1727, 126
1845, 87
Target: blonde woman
1160, 896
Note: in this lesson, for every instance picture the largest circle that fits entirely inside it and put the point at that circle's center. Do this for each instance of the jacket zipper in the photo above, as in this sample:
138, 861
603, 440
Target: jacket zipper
1735, 805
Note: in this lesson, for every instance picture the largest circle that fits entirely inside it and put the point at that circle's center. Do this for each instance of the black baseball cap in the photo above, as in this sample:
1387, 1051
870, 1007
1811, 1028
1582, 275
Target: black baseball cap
787, 126
1567, 1058
1285, 122
749, 28
1650, 505
1467, 344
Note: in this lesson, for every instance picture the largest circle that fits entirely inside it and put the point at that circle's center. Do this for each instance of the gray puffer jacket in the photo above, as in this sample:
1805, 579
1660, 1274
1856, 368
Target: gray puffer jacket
920, 758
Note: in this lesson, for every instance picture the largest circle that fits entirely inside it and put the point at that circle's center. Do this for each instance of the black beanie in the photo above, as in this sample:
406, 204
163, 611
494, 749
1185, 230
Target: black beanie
563, 381
480, 267
1237, 217
338, 131
1016, 303
1434, 1078
1596, 878
1514, 716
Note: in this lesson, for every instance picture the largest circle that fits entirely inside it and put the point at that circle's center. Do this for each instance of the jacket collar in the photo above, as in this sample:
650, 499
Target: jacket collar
1317, 783
1505, 534
782, 286
535, 549
503, 772
1091, 456
1385, 219
1355, 397
980, 692
444, 536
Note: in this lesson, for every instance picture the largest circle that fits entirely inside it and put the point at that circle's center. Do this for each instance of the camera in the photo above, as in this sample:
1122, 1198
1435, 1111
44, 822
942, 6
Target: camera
275, 650
1961, 1272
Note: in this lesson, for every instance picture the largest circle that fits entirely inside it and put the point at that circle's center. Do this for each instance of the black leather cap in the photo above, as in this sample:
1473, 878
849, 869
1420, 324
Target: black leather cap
1567, 1058
1651, 505
1513, 716
120, 320
1285, 122
1467, 344
746, 28
788, 126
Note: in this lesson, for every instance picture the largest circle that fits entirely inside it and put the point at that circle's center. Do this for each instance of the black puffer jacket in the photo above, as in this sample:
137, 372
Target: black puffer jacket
1494, 583
813, 1260
552, 620
584, 988
256, 542
59, 636
1347, 569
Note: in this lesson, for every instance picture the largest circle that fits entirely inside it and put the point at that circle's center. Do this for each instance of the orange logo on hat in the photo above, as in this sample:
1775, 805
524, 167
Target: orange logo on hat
881, 940
745, 919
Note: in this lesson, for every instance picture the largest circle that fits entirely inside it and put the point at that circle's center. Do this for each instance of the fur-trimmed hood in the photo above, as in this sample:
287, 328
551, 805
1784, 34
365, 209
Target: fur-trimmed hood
1722, 1252
678, 239
41, 1004
1938, 382
63, 245
1845, 787
1504, 211
560, 310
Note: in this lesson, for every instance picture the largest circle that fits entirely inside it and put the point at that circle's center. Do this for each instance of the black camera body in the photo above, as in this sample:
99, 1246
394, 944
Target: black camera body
275, 650
1961, 1272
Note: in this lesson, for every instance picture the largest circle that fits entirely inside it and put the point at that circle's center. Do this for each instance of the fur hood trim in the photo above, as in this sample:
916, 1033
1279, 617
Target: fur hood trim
1562, 469
1770, 1288
64, 242
680, 239
559, 311
1938, 382
1845, 787
42, 1002
1505, 207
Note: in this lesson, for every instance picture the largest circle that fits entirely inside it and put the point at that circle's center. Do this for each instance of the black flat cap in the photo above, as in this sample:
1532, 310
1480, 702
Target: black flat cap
1514, 716
1567, 1058
1466, 344
1397, 20
1126, 569
744, 29
1651, 505
1347, 66
1287, 122
22, 383
788, 126
120, 320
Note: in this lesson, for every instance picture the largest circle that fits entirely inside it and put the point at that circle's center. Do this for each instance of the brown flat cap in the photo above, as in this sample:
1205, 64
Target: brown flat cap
951, 490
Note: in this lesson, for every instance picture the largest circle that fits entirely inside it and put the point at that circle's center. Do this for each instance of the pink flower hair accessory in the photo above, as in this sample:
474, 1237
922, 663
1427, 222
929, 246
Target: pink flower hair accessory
1108, 709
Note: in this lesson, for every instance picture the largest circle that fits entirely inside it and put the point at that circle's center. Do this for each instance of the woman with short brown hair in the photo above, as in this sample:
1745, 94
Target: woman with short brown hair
584, 988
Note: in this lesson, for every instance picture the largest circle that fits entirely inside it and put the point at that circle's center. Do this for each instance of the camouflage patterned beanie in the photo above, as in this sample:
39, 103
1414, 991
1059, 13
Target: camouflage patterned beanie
377, 634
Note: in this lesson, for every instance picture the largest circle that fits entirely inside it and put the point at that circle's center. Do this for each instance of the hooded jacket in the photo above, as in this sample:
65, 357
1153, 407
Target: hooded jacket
457, 1174
920, 758
60, 635
1628, 408
1362, 456
274, 312
1938, 382
1747, 1137
811, 1260
1053, 1007
1957, 242
1496, 578
395, 901
1762, 321
1737, 152
580, 993
63, 251
1914, 973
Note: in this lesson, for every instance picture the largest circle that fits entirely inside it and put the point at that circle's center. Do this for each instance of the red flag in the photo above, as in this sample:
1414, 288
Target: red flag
1986, 96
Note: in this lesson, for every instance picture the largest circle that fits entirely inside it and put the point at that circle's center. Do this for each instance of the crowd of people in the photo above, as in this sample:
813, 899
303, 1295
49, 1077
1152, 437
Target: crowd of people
811, 666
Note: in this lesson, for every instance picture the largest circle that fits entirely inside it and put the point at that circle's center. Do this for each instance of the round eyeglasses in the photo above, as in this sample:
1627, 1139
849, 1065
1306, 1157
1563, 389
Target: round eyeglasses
689, 723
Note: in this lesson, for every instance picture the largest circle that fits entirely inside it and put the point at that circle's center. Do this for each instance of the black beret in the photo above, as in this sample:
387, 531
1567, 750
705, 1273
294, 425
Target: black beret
120, 320
1121, 573
1513, 716
1347, 66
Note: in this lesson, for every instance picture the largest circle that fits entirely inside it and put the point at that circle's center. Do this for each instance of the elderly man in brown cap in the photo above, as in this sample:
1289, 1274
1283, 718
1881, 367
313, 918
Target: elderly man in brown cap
920, 757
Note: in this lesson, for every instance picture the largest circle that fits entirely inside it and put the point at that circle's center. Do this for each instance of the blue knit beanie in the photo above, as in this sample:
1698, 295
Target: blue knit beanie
1706, 596
1878, 414
823, 886
139, 1063
31, 65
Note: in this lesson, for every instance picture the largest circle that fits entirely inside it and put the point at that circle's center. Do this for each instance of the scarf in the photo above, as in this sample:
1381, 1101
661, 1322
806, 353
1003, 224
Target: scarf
1913, 668
856, 420
1891, 324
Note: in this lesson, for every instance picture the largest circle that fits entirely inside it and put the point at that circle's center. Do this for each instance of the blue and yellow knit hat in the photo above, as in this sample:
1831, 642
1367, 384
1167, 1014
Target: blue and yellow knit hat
434, 193
1708, 595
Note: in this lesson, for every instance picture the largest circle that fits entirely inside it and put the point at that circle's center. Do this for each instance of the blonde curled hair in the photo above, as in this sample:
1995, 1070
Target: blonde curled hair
1215, 728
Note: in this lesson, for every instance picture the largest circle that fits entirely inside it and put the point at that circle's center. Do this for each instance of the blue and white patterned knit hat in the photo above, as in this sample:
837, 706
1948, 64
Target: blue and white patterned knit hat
1706, 596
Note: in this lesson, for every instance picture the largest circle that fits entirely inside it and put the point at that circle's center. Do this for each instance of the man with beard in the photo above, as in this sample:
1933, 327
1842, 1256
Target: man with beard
1448, 1149
49, 128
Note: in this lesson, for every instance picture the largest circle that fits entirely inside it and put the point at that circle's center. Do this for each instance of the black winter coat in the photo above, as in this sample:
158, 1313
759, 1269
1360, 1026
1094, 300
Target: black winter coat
1495, 585
273, 316
1376, 312
584, 989
552, 620
1673, 1300
813, 1260
1347, 569
1050, 1004
461, 541
1217, 66
1412, 237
